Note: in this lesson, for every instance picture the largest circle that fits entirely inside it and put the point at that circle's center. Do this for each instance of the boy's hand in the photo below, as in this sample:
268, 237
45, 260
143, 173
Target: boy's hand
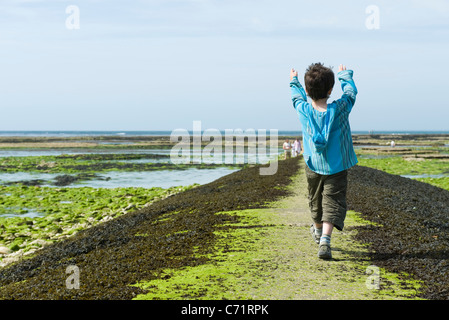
293, 73
341, 68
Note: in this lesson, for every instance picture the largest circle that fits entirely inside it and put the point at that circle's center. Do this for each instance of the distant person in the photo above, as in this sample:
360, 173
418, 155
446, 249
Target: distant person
328, 149
287, 149
296, 148
392, 144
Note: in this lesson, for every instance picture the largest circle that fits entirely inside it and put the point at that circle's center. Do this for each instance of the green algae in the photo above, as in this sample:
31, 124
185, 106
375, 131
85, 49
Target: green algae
442, 182
400, 166
62, 212
416, 170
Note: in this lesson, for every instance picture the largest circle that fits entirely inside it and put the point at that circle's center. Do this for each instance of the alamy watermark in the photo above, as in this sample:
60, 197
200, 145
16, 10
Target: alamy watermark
73, 280
250, 144
373, 280
372, 21
72, 22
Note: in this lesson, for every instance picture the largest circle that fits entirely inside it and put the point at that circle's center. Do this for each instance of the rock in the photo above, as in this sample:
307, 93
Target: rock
33, 182
39, 243
43, 164
9, 260
131, 206
4, 250
65, 180
30, 252
105, 219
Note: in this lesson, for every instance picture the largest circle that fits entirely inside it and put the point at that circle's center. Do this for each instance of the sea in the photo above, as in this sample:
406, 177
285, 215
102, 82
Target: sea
63, 133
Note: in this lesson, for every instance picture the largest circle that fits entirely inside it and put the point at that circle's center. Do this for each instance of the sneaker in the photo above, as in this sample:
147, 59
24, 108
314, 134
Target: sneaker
325, 252
315, 237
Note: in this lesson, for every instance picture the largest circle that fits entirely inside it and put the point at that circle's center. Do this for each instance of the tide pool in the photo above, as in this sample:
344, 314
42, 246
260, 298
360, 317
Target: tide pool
124, 179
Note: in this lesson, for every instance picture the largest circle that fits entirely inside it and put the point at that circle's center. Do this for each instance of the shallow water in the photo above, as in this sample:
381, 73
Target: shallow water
159, 178
15, 212
121, 179
20, 176
57, 152
146, 179
375, 156
30, 152
417, 176
387, 146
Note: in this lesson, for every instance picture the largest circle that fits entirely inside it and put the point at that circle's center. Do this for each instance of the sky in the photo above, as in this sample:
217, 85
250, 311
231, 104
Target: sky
162, 64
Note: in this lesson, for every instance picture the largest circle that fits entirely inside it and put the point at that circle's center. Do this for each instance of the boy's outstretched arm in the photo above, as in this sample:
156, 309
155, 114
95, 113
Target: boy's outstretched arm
293, 73
299, 96
348, 87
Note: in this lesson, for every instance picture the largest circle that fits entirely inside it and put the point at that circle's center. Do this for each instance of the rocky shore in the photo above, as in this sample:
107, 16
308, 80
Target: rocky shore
413, 222
408, 235
174, 232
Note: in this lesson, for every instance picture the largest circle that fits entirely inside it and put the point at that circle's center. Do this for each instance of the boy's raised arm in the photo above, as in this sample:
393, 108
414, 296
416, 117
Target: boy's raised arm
299, 96
348, 87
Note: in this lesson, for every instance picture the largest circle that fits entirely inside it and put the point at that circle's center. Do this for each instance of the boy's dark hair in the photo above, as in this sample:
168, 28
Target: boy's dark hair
318, 80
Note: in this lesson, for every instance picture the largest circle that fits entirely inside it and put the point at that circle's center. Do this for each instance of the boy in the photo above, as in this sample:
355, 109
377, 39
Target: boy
327, 144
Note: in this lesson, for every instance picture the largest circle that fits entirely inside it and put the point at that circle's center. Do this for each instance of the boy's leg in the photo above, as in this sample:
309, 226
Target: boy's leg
325, 238
334, 210
324, 251
334, 200
327, 228
315, 188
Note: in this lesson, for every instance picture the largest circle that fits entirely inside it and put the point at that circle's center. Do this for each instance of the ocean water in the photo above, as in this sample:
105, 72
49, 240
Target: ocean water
68, 134
125, 179
62, 133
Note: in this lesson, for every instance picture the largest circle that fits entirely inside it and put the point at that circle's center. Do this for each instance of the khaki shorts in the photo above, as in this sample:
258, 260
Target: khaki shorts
327, 197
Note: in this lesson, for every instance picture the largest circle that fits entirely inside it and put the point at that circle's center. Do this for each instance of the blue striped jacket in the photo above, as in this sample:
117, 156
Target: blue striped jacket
327, 140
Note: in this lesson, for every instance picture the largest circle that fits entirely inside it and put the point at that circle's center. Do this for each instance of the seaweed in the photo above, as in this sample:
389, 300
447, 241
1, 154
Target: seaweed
413, 219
